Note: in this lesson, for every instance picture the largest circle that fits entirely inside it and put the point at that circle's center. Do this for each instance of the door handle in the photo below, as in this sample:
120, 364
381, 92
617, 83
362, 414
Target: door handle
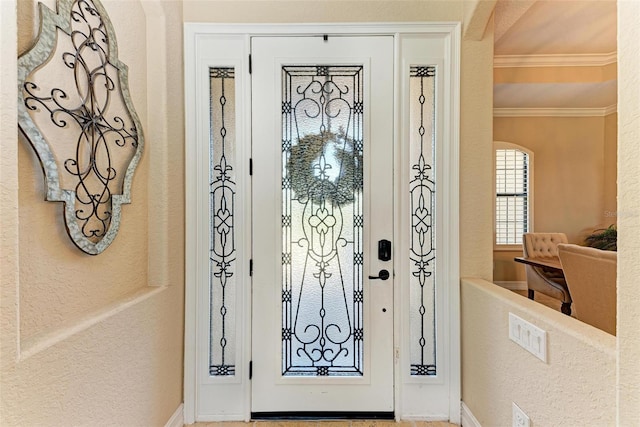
382, 275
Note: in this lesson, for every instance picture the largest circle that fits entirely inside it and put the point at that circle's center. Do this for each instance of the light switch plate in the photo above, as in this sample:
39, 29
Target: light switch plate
528, 336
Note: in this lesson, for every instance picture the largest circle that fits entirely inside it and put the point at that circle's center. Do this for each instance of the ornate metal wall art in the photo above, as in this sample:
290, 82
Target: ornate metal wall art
75, 109
322, 221
422, 189
222, 246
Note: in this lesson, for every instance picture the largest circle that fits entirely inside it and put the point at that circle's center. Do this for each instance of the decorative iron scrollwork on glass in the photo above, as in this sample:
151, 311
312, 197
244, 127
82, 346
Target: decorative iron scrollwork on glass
322, 220
75, 109
422, 198
222, 246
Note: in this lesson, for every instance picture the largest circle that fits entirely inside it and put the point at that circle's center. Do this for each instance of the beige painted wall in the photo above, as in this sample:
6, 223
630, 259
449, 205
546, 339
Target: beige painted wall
574, 158
629, 213
610, 206
505, 269
577, 385
273, 11
580, 74
97, 340
568, 169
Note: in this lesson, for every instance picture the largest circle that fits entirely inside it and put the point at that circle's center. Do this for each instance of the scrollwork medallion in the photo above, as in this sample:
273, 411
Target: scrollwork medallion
75, 109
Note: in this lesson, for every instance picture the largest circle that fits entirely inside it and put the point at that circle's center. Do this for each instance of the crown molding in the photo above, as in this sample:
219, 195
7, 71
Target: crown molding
555, 112
555, 60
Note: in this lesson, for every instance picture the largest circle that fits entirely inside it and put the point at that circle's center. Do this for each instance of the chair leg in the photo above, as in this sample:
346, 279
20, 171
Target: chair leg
530, 293
566, 308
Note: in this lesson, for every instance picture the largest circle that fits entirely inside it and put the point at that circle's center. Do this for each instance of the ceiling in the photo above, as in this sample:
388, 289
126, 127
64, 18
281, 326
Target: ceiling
555, 31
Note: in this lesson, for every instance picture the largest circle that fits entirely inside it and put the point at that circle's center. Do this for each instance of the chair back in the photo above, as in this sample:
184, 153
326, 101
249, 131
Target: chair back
550, 283
591, 278
542, 245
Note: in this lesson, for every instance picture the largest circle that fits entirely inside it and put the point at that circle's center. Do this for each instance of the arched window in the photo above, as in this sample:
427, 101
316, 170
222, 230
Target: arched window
514, 196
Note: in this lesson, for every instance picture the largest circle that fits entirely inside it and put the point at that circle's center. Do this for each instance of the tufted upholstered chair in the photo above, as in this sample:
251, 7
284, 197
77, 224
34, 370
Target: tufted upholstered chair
591, 278
546, 281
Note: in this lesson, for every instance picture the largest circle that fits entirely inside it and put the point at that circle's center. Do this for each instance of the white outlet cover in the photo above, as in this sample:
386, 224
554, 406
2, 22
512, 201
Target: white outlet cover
520, 419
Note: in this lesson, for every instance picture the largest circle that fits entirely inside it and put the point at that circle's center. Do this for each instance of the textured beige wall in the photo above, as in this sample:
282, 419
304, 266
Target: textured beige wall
476, 158
478, 17
577, 385
610, 203
97, 340
629, 213
8, 195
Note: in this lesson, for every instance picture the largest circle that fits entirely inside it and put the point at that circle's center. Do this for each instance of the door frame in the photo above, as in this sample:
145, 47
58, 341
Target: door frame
195, 39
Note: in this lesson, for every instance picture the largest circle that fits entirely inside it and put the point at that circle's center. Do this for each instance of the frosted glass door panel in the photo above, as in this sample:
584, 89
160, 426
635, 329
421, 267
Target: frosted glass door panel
222, 242
322, 220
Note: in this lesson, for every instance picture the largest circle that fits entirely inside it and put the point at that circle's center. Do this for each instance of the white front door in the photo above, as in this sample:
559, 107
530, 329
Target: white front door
322, 148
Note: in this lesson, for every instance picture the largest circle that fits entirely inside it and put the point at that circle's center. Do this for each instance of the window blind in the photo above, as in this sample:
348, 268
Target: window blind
512, 196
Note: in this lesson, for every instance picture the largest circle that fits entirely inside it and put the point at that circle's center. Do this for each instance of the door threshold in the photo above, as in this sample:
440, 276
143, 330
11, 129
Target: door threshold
312, 415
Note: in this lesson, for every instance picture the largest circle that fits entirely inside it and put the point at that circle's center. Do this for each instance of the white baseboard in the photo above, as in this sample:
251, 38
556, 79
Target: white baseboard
512, 285
466, 417
177, 419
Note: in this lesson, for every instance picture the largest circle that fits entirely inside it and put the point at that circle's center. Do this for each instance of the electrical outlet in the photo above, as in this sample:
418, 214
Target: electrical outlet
528, 336
520, 419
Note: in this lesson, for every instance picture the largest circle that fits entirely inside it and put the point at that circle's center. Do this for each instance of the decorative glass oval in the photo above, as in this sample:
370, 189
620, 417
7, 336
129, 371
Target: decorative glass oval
75, 109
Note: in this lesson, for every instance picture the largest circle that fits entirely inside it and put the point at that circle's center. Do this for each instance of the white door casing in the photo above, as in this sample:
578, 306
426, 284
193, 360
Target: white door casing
327, 266
210, 398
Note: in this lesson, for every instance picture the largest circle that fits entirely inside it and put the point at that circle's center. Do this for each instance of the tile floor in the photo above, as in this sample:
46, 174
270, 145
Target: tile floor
332, 423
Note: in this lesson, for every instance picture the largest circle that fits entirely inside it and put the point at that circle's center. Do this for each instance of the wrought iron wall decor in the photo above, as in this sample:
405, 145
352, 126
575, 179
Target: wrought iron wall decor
75, 109
422, 190
322, 221
222, 245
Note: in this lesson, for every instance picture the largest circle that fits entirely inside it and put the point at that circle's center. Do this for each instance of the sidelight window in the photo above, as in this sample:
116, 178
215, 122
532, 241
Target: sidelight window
422, 188
222, 241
